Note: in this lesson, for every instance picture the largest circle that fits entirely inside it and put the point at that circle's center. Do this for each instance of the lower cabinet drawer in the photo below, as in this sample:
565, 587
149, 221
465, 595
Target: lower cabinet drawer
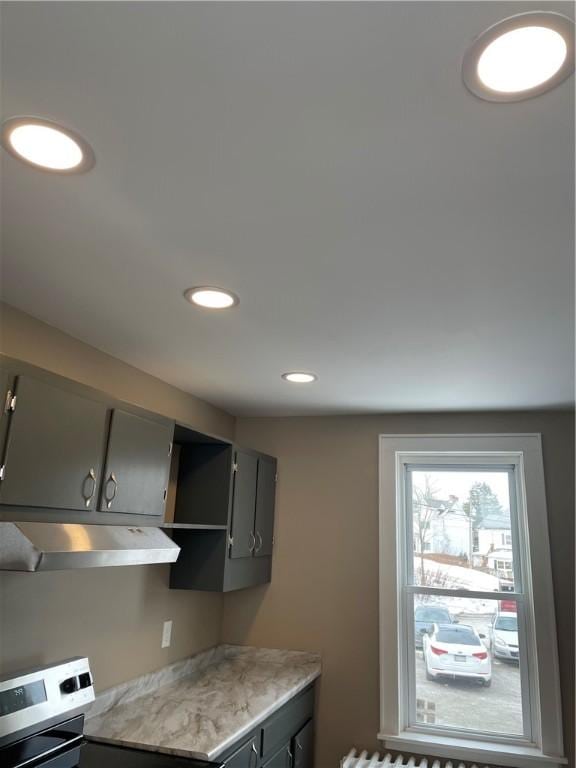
281, 759
244, 757
282, 726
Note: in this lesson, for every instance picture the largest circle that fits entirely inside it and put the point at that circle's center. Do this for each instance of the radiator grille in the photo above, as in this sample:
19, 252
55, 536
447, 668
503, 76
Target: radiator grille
364, 760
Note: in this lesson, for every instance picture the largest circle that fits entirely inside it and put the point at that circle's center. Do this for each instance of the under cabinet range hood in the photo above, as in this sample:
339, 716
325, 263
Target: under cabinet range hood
66, 546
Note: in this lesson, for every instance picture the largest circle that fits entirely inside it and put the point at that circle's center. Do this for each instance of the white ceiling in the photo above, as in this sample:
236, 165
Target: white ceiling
383, 227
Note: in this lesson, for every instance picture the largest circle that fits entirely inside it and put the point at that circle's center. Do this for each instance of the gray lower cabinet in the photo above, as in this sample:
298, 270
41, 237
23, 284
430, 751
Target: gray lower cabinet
6, 403
303, 746
54, 448
284, 740
246, 756
137, 465
282, 758
283, 725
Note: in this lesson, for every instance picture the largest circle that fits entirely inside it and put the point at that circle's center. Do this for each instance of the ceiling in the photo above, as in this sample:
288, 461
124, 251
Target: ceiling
408, 242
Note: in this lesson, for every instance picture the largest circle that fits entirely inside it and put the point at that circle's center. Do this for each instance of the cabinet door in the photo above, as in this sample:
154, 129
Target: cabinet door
265, 499
137, 465
245, 757
6, 395
282, 758
54, 450
303, 747
243, 505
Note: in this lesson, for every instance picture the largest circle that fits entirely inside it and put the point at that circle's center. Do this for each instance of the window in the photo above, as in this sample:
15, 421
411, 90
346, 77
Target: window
476, 672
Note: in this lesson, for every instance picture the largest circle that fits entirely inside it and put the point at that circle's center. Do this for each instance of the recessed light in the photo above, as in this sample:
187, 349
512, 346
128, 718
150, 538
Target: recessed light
299, 377
211, 297
520, 57
46, 145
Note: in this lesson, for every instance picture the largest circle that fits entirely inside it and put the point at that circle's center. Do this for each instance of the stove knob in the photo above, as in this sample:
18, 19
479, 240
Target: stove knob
69, 685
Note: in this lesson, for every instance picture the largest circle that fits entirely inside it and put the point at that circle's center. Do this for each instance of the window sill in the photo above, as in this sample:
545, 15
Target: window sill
470, 750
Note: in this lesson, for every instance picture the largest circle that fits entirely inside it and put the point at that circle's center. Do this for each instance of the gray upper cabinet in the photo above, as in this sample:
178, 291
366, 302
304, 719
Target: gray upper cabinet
54, 448
265, 497
221, 486
137, 465
252, 531
243, 539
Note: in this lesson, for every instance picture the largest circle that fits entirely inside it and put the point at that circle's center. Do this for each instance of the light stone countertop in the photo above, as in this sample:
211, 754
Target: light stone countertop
201, 706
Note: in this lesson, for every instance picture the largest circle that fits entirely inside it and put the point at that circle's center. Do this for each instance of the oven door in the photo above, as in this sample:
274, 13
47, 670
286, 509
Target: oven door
55, 747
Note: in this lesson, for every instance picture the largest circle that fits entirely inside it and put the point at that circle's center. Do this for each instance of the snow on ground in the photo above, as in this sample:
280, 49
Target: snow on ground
457, 577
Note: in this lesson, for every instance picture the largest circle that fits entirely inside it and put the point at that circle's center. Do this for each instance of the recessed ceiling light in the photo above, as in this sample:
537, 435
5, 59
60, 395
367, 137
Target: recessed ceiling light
299, 377
210, 297
46, 145
520, 57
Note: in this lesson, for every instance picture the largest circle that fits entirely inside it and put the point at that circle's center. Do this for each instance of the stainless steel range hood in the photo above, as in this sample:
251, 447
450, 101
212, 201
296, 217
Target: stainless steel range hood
64, 546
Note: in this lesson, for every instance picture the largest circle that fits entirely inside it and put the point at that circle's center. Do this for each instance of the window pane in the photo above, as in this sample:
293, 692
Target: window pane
467, 664
462, 531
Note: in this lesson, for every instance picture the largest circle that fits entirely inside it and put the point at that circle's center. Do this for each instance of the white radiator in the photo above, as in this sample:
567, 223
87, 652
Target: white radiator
363, 760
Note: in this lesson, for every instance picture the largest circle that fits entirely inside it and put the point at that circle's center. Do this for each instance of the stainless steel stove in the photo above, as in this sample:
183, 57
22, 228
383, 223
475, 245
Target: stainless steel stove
42, 724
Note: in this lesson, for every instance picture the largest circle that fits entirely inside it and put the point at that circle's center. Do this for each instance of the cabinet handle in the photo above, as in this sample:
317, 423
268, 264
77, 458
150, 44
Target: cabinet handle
10, 402
109, 499
91, 476
252, 542
255, 753
259, 544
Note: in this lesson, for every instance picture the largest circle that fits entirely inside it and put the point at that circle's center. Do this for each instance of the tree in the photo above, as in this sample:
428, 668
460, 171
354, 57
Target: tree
424, 511
484, 504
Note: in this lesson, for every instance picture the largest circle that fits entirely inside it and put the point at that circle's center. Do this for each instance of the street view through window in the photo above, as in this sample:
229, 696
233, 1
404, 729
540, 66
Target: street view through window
466, 648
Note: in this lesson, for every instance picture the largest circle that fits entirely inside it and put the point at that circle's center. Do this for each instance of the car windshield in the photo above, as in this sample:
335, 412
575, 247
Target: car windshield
432, 614
457, 636
507, 623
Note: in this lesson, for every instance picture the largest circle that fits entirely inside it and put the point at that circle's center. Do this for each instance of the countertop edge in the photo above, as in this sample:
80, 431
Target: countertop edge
230, 740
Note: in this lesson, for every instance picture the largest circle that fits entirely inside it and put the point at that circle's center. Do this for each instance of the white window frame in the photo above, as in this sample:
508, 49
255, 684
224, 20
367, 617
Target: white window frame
542, 746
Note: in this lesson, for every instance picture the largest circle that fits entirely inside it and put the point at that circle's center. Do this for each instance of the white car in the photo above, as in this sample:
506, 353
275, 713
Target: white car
504, 636
456, 651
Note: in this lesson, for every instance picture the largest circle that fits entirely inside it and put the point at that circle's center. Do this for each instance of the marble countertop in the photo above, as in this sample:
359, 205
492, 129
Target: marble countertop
201, 706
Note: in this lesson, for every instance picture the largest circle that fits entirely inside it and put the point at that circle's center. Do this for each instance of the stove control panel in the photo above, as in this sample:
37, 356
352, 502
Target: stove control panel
31, 698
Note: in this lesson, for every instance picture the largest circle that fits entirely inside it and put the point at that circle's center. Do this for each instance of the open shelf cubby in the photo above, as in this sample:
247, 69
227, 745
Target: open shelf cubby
204, 481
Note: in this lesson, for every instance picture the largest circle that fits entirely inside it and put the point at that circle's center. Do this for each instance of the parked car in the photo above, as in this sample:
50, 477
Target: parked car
456, 651
425, 616
504, 636
508, 606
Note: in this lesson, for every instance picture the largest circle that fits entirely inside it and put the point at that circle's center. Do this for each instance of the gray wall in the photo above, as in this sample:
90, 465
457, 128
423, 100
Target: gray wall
324, 590
113, 615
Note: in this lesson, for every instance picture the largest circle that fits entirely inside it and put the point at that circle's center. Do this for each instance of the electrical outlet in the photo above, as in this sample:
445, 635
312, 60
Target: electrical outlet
166, 634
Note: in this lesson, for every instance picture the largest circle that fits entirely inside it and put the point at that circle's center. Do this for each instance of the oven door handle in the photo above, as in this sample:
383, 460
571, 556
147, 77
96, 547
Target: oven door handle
58, 751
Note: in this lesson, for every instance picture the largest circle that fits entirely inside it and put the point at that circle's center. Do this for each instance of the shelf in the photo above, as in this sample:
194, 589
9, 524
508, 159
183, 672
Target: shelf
194, 527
